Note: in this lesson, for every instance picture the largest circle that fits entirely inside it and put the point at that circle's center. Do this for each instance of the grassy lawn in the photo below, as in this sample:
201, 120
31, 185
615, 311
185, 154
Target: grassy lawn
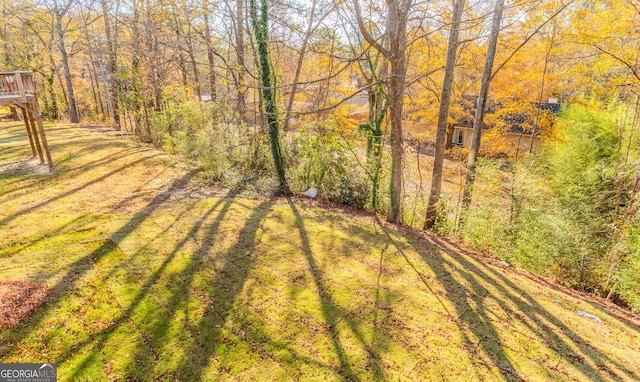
154, 275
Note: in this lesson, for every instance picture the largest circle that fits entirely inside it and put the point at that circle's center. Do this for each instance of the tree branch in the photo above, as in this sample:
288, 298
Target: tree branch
365, 33
529, 37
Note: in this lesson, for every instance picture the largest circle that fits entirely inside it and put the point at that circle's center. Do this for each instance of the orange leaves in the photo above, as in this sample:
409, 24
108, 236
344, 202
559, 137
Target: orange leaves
18, 300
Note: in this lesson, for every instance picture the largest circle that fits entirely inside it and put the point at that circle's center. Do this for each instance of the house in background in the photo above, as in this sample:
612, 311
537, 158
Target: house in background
518, 126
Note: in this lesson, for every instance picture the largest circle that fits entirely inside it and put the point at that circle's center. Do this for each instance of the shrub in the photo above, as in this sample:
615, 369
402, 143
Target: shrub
570, 213
205, 133
319, 156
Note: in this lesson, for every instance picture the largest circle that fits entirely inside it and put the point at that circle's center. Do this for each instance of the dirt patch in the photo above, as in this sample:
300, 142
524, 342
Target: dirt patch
18, 300
27, 164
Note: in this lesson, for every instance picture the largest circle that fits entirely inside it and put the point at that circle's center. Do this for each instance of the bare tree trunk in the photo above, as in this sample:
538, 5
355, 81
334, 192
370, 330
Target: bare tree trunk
93, 76
258, 114
242, 85
296, 77
152, 48
397, 27
178, 46
396, 93
478, 121
194, 66
443, 116
94, 93
138, 97
210, 53
73, 110
397, 15
65, 102
114, 88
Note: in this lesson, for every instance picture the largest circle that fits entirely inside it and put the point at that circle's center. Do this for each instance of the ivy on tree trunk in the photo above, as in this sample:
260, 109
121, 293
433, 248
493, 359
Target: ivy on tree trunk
261, 32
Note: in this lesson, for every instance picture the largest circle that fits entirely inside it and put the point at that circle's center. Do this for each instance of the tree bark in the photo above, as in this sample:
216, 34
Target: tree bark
261, 31
114, 88
71, 102
137, 99
155, 68
443, 116
194, 66
177, 29
397, 16
242, 85
210, 53
296, 77
397, 27
478, 121
378, 107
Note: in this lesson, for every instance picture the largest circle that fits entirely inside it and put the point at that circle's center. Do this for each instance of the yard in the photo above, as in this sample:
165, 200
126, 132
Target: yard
151, 273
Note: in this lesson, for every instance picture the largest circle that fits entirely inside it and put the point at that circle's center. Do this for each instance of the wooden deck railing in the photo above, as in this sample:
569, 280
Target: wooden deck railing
17, 84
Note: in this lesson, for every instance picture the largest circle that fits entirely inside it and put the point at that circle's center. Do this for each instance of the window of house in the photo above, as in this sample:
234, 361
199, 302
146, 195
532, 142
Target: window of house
458, 137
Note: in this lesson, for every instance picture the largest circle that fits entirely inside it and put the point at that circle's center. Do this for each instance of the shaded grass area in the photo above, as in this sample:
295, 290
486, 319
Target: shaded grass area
148, 282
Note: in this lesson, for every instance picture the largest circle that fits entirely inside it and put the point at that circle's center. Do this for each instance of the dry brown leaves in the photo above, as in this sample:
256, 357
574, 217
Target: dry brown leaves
18, 300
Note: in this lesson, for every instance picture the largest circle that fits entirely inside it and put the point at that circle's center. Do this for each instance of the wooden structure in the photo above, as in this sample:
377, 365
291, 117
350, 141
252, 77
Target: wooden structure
18, 89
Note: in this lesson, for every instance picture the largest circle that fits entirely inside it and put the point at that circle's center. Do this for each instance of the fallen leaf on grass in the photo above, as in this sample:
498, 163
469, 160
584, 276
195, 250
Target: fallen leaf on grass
18, 300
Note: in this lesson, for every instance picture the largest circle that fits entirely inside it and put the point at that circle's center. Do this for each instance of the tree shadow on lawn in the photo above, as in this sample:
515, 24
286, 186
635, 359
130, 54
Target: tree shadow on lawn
90, 144
220, 292
14, 137
223, 276
332, 313
78, 223
13, 151
101, 178
40, 181
162, 330
157, 323
547, 325
77, 269
224, 289
473, 313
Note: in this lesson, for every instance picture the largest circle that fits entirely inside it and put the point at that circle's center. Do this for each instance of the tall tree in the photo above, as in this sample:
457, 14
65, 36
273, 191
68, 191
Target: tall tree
478, 121
242, 83
210, 52
396, 34
112, 64
443, 115
488, 74
137, 102
378, 107
261, 32
59, 13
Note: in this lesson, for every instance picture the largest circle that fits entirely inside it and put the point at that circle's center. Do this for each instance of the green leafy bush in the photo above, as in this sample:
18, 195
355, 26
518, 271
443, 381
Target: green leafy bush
319, 157
570, 213
205, 133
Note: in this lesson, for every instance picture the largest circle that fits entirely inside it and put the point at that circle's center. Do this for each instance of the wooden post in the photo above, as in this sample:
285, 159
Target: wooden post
23, 94
26, 123
42, 136
18, 90
34, 133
